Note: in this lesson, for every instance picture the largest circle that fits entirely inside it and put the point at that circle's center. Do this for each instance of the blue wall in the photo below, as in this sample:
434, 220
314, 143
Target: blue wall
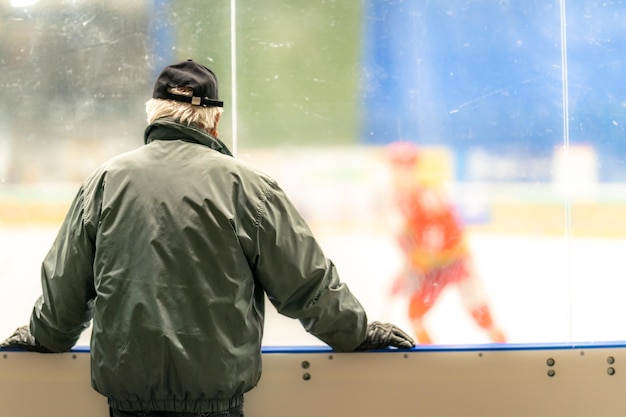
487, 75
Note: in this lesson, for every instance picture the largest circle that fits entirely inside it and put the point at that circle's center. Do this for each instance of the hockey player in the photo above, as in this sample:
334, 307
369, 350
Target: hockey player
435, 249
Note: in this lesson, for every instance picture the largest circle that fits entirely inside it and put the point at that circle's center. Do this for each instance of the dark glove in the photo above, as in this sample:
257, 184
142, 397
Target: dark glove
23, 339
381, 335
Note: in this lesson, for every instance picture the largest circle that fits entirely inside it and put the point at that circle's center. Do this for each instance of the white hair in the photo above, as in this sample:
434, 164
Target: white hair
204, 117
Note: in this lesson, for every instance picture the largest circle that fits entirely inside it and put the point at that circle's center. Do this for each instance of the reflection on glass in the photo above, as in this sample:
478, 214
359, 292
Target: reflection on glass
322, 90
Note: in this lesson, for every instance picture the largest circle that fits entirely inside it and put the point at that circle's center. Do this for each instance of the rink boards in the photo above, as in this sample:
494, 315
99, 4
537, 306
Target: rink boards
471, 381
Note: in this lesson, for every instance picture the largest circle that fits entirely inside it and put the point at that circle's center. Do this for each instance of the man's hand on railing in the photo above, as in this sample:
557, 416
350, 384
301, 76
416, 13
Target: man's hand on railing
24, 340
381, 335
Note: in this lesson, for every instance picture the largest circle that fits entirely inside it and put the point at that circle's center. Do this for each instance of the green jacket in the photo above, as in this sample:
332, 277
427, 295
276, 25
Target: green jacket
171, 249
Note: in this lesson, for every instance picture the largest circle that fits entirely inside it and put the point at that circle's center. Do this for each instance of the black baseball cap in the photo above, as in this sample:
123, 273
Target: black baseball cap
188, 74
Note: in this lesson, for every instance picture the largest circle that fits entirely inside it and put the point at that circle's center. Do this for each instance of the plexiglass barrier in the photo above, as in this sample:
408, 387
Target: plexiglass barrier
517, 109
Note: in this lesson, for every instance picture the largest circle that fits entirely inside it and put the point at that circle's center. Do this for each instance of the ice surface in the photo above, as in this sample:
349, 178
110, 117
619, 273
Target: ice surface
541, 289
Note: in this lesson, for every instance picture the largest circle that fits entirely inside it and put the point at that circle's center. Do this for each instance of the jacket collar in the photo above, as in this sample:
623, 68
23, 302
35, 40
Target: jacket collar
171, 129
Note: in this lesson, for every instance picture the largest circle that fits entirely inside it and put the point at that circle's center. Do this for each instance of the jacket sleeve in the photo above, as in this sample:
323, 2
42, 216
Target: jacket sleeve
299, 280
65, 306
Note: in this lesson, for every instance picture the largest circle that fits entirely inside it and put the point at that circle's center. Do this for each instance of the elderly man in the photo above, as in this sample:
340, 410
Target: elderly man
171, 249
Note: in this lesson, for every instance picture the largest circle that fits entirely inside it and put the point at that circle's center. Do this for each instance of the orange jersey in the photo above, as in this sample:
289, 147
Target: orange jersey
432, 235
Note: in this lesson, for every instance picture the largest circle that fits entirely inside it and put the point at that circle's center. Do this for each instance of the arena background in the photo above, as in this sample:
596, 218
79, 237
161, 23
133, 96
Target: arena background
520, 121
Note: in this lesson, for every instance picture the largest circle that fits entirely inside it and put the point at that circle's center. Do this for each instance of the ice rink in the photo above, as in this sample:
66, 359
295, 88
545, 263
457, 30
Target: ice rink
541, 289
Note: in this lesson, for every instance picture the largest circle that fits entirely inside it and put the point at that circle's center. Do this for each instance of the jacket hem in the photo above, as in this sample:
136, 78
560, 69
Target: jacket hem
179, 406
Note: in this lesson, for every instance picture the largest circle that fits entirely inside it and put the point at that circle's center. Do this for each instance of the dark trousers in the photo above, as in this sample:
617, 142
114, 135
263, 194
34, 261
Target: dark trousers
233, 412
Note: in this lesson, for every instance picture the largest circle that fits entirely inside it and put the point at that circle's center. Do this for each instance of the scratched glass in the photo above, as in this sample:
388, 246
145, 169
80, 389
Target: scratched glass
516, 109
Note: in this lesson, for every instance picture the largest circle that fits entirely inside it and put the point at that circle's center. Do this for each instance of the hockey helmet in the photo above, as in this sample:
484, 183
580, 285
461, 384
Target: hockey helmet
402, 153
